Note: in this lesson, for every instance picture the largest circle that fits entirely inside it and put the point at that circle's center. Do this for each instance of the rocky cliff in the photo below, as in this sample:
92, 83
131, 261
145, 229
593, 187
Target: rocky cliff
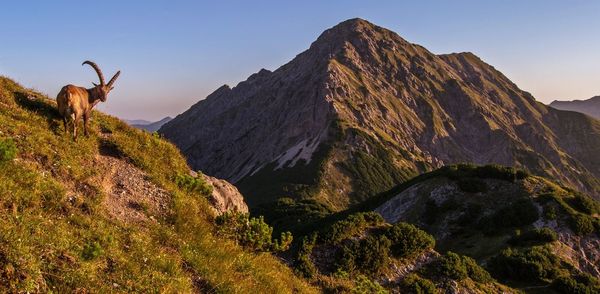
363, 109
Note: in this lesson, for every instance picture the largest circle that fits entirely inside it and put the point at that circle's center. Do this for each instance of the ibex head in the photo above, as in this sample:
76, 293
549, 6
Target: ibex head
101, 91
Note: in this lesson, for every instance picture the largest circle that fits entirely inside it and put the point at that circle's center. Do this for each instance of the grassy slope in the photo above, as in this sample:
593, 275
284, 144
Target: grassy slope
55, 235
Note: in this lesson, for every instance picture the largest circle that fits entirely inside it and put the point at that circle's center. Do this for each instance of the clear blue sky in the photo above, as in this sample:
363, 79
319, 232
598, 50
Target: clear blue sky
174, 53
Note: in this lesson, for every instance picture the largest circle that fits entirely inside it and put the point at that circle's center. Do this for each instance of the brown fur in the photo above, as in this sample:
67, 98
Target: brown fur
75, 103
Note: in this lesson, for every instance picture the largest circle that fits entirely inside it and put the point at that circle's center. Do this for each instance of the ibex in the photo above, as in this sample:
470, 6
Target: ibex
76, 102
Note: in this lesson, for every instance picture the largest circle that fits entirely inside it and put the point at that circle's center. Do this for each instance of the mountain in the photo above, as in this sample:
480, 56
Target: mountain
463, 229
363, 109
590, 106
137, 121
151, 126
118, 211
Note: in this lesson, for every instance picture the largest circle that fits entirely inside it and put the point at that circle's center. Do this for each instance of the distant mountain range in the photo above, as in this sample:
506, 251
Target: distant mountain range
590, 106
148, 125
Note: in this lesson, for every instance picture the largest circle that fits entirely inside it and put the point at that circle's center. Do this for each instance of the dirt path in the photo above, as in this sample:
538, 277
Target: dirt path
130, 196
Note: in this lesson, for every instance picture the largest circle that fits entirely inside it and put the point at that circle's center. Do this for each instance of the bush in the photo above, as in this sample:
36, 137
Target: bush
580, 284
476, 272
252, 233
364, 285
584, 204
582, 224
457, 267
91, 251
417, 285
492, 171
531, 264
8, 150
408, 240
501, 172
297, 215
520, 213
451, 265
304, 264
368, 256
434, 211
352, 225
534, 237
550, 212
195, 184
472, 185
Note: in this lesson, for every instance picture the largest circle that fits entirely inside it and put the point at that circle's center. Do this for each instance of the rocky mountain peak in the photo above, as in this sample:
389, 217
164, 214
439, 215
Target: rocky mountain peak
362, 109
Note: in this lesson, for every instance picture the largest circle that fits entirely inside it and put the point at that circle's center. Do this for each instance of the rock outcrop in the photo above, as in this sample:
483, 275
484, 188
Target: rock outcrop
225, 197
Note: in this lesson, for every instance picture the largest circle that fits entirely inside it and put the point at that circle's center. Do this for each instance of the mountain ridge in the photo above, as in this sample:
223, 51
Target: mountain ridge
148, 125
373, 110
590, 106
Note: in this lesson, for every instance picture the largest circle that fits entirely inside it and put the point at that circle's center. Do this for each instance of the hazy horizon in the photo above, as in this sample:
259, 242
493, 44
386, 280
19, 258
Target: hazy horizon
173, 55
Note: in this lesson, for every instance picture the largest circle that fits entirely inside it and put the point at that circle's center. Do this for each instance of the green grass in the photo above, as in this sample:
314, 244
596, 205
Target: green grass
55, 235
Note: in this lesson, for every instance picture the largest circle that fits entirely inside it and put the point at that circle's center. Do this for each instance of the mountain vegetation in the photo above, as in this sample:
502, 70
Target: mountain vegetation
64, 225
519, 233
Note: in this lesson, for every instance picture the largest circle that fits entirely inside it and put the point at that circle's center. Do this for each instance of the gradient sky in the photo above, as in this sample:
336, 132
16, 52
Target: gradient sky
174, 53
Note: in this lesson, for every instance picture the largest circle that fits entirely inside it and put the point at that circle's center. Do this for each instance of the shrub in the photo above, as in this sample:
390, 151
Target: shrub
550, 212
195, 184
364, 285
451, 265
304, 264
581, 224
408, 240
580, 284
457, 267
368, 256
584, 204
472, 185
252, 233
492, 171
531, 264
500, 172
352, 225
296, 215
8, 150
476, 272
520, 213
534, 237
91, 251
417, 285
434, 211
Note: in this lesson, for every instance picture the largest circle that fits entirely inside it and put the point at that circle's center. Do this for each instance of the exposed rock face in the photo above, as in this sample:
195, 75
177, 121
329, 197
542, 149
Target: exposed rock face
590, 106
225, 197
439, 206
362, 109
